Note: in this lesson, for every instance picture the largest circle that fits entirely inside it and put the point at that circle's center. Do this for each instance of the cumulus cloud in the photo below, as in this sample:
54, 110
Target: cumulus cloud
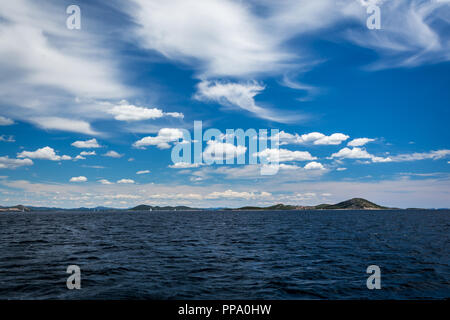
129, 112
185, 165
359, 142
5, 121
315, 138
45, 153
217, 151
143, 172
78, 179
162, 140
105, 181
88, 144
83, 154
113, 154
284, 155
358, 153
87, 153
8, 163
126, 181
314, 166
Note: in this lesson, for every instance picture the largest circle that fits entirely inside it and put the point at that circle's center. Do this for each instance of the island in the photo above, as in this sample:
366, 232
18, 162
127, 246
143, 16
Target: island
352, 204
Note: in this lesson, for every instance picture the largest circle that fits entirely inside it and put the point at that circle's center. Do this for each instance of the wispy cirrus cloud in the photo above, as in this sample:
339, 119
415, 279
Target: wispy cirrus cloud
7, 138
43, 87
360, 153
5, 121
255, 33
242, 96
143, 172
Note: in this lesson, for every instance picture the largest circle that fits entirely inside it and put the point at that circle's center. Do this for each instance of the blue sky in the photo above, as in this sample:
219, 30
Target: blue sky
89, 117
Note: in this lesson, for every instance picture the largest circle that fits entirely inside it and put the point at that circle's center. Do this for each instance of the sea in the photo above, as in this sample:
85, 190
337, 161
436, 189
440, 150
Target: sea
226, 254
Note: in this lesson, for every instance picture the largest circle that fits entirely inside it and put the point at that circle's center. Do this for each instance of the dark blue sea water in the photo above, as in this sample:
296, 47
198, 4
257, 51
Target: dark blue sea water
225, 255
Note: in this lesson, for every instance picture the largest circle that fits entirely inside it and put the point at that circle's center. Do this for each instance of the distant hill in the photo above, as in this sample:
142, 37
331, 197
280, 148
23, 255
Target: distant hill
21, 208
279, 206
144, 207
18, 208
352, 204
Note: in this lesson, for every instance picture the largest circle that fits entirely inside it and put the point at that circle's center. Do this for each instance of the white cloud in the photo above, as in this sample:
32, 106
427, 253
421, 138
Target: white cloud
7, 163
78, 179
414, 33
198, 31
143, 172
5, 121
45, 153
235, 194
285, 173
126, 181
83, 154
433, 155
314, 166
321, 139
185, 165
240, 95
105, 181
69, 65
358, 153
417, 192
354, 153
113, 154
216, 150
284, 155
174, 114
316, 138
359, 142
87, 153
64, 124
88, 144
341, 169
129, 112
255, 34
6, 138
162, 140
